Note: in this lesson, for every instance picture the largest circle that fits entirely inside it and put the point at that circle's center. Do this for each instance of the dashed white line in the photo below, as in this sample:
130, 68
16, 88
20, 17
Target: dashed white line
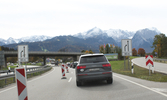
70, 79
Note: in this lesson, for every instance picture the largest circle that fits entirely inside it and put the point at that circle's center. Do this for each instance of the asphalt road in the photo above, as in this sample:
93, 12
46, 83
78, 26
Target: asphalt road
160, 67
50, 86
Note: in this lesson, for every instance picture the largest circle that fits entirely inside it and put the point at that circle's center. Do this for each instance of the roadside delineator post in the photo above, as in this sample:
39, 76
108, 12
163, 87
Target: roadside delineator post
63, 71
67, 69
153, 68
21, 81
132, 69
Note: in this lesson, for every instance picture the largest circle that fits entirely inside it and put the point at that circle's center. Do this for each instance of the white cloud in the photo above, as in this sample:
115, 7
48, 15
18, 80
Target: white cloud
20, 18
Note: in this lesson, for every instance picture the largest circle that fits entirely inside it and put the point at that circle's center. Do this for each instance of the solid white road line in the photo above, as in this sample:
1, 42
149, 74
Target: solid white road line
28, 81
70, 79
7, 89
141, 85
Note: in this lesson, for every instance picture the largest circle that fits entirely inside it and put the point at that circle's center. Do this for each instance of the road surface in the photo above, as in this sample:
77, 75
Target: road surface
50, 86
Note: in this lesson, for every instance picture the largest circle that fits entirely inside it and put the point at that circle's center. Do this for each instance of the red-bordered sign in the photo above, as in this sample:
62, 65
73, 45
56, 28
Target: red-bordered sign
63, 71
67, 68
21, 83
149, 60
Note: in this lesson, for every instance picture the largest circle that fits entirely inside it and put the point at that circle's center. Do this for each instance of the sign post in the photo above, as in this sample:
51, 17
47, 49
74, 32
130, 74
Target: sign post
21, 72
126, 49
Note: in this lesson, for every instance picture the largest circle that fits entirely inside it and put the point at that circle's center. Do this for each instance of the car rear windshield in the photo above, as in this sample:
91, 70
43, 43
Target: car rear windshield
93, 59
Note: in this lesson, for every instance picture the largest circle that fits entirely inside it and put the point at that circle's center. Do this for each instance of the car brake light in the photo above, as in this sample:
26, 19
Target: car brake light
106, 65
81, 67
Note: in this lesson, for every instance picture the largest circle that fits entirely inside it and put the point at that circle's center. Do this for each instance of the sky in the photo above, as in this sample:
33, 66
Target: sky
22, 18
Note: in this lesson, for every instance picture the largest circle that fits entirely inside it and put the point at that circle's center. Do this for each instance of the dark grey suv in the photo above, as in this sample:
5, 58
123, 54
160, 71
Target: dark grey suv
93, 67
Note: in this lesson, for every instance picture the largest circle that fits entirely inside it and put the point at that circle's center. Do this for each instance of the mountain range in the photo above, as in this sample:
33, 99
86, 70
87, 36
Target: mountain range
116, 34
34, 38
91, 39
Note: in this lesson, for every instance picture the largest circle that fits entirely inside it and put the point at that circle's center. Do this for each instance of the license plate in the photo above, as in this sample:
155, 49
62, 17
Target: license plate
94, 69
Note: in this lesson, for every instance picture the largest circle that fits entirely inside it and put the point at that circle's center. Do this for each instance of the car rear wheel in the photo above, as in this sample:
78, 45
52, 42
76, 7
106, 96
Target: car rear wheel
110, 81
78, 83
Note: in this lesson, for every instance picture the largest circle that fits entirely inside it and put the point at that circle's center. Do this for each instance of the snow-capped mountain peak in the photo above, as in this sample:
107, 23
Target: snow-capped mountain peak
10, 40
116, 34
145, 33
34, 38
90, 33
154, 29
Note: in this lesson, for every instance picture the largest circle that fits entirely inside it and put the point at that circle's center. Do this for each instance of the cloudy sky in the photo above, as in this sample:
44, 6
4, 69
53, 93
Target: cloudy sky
21, 18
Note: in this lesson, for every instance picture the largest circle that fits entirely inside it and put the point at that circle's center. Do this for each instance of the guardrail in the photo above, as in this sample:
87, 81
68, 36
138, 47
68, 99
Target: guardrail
160, 60
42, 52
28, 71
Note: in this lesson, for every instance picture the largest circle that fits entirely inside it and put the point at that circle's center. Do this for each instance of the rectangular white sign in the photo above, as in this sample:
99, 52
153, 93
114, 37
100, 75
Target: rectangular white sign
23, 53
126, 47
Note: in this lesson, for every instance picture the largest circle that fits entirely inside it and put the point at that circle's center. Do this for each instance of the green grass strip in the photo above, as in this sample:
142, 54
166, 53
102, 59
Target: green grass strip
139, 72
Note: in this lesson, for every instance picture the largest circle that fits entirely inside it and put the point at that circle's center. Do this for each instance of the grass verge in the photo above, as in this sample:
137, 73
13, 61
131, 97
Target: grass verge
139, 72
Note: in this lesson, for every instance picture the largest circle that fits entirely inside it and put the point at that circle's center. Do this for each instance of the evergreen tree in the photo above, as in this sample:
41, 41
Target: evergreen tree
160, 45
107, 49
90, 51
83, 51
101, 49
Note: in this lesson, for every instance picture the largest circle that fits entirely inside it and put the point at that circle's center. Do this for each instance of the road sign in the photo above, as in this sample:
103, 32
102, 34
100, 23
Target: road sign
126, 47
21, 83
23, 53
63, 71
149, 60
66, 68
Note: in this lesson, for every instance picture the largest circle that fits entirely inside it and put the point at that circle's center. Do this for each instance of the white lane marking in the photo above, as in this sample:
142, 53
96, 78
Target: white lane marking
141, 85
160, 89
7, 89
28, 81
70, 79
